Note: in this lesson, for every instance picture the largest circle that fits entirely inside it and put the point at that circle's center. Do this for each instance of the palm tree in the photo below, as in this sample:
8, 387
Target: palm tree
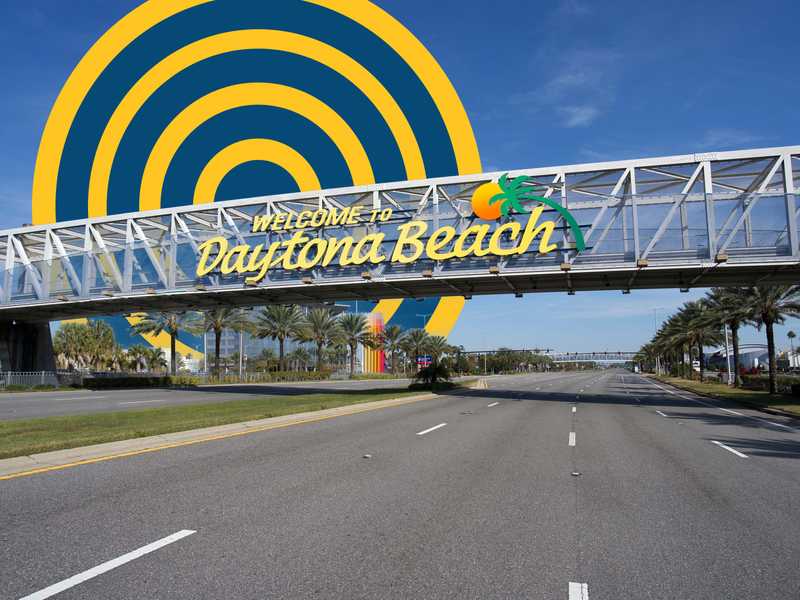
280, 322
416, 342
791, 335
154, 359
300, 357
438, 347
729, 305
769, 305
217, 320
321, 328
392, 341
170, 322
354, 331
137, 356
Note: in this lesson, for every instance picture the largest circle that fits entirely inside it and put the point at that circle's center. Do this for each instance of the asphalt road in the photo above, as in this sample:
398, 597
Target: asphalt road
33, 405
489, 504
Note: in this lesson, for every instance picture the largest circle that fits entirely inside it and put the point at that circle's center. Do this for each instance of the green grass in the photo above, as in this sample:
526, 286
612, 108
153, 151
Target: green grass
720, 390
32, 436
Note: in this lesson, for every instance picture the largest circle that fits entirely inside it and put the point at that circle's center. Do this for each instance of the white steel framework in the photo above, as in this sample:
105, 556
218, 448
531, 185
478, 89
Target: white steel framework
720, 218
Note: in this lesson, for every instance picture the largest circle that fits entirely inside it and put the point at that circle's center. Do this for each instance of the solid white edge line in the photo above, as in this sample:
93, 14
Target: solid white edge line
662, 414
57, 588
729, 449
434, 428
733, 412
578, 591
141, 402
492, 404
571, 438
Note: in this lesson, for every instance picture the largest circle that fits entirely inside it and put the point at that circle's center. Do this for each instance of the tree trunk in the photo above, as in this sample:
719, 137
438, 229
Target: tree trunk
700, 358
737, 377
393, 361
353, 349
320, 365
217, 344
172, 353
773, 386
281, 358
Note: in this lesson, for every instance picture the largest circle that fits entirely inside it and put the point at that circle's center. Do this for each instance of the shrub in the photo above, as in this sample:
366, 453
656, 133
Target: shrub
431, 376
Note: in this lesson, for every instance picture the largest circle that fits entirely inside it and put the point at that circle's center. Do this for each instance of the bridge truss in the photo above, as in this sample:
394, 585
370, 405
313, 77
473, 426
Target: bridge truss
727, 218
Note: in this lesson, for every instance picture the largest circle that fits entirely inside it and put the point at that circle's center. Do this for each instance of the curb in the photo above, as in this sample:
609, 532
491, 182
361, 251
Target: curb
753, 405
22, 466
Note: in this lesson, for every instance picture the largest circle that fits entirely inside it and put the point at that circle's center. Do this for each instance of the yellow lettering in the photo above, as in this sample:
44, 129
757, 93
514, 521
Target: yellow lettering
406, 238
476, 248
206, 248
263, 265
302, 218
355, 214
318, 244
438, 240
261, 223
495, 246
336, 217
374, 254
334, 245
532, 230
278, 221
239, 253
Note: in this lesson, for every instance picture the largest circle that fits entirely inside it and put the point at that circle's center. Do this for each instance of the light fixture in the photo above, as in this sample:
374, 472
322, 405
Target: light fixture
642, 263
467, 296
151, 290
626, 291
684, 290
494, 270
108, 293
571, 293
308, 280
518, 295
427, 273
566, 266
200, 287
366, 275
721, 257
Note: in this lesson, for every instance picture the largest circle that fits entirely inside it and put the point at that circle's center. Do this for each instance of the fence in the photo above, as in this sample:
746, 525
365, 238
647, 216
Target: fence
29, 378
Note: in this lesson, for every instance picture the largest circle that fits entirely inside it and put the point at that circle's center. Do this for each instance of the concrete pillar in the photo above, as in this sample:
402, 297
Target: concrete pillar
26, 346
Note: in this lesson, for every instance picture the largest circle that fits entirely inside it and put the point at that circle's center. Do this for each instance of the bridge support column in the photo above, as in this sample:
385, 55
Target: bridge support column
26, 346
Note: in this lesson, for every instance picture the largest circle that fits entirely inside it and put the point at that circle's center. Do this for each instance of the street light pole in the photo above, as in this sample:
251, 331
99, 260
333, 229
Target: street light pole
728, 356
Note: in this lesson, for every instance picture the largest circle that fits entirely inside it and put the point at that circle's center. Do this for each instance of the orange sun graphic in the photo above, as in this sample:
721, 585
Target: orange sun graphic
480, 202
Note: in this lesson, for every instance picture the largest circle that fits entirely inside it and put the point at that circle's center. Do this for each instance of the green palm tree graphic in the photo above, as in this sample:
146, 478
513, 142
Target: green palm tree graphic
512, 196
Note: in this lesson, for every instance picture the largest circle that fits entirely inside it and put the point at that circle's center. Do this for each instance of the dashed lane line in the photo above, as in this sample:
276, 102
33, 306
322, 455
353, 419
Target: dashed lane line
729, 449
578, 591
434, 428
66, 584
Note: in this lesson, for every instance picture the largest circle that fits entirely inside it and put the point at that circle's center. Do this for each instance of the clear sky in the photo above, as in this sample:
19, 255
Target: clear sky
545, 83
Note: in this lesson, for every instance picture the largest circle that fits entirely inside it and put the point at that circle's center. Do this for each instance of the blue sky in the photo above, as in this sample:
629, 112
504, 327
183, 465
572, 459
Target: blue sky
545, 83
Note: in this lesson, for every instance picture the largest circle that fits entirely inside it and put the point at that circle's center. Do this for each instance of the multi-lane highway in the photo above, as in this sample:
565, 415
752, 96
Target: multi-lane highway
600, 485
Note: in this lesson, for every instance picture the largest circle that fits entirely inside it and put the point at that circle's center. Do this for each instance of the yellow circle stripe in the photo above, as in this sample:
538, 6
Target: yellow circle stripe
244, 151
250, 94
69, 100
422, 62
254, 39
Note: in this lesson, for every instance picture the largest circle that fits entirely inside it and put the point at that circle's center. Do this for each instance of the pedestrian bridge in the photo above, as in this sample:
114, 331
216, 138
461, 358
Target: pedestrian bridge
718, 218
592, 357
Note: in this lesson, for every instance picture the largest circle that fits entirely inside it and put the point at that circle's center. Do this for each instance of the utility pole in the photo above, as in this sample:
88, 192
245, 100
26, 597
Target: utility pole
728, 356
241, 354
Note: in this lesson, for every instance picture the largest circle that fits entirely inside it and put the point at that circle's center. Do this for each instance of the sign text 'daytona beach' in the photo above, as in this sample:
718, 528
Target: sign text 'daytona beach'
306, 248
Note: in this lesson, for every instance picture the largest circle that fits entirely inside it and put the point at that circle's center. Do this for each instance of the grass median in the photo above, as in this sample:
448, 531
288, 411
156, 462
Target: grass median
723, 391
33, 436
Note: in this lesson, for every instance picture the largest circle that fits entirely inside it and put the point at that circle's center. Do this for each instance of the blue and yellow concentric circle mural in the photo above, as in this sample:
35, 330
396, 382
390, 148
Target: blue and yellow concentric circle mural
196, 101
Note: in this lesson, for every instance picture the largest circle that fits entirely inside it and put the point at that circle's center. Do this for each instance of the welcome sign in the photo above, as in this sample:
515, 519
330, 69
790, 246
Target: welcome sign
306, 246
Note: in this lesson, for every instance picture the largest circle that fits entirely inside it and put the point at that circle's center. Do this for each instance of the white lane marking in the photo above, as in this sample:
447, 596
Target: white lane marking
571, 438
725, 409
76, 398
662, 414
578, 591
434, 428
57, 588
729, 449
492, 404
574, 409
141, 402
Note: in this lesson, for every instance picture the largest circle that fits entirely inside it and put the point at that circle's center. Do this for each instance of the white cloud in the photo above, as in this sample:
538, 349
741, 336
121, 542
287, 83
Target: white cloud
578, 116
